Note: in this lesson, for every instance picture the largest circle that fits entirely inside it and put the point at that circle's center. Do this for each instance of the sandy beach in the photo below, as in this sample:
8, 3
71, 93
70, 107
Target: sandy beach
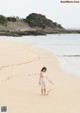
20, 64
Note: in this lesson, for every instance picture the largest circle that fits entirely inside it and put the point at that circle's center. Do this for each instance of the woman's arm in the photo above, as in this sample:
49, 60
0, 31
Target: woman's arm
40, 76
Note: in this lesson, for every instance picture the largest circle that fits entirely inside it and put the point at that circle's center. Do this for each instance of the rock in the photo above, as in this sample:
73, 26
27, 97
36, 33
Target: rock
34, 24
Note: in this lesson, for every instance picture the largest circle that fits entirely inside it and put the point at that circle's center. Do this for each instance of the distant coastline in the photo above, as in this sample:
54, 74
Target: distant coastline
34, 24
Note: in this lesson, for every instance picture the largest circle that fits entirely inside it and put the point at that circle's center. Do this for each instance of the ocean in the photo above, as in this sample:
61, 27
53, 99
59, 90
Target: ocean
66, 47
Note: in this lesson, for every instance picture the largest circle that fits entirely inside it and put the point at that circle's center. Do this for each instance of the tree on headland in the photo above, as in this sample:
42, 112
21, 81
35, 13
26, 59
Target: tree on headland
56, 24
36, 20
39, 20
11, 19
14, 19
3, 20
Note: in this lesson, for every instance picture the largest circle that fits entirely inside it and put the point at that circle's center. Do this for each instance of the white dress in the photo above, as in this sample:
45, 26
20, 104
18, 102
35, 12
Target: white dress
43, 80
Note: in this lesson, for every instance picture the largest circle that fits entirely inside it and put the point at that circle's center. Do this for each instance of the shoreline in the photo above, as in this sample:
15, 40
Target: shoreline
62, 63
20, 63
35, 32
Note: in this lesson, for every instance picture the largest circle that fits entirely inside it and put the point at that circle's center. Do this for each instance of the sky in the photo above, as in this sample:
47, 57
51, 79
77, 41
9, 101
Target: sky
66, 14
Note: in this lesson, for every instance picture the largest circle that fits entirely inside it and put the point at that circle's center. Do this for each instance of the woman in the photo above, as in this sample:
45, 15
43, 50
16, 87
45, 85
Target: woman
43, 81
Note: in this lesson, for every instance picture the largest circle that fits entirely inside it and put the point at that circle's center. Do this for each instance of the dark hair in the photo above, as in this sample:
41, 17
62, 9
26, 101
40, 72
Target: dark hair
44, 68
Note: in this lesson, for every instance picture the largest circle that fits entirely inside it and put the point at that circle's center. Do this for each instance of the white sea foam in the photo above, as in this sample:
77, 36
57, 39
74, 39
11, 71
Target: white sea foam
70, 64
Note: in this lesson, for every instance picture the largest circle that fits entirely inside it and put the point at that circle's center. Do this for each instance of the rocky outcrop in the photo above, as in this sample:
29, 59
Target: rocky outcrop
34, 24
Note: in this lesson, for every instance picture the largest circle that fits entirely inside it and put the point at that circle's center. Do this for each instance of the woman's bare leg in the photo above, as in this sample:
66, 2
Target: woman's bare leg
45, 92
42, 91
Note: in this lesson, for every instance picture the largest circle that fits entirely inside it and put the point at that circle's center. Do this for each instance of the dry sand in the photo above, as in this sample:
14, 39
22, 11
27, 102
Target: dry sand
20, 64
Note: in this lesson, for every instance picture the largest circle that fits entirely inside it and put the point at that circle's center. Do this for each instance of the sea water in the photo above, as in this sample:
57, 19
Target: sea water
66, 47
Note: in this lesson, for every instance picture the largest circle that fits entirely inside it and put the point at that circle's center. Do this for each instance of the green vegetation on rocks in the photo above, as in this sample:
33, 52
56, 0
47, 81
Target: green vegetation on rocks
38, 20
11, 19
3, 20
